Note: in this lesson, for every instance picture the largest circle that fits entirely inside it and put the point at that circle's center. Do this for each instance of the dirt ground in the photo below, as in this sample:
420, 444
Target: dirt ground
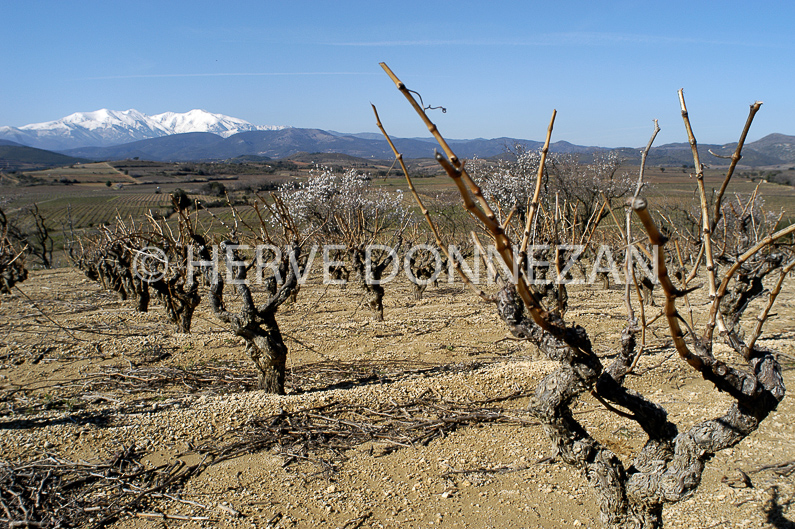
82, 376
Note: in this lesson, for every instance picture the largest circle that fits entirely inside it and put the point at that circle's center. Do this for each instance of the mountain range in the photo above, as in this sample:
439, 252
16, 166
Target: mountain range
103, 128
201, 135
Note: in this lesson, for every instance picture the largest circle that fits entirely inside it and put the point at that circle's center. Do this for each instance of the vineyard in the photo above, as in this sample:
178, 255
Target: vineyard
531, 340
100, 377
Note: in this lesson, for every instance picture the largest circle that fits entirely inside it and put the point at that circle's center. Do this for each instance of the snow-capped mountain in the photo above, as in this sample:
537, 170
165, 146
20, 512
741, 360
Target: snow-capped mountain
203, 121
103, 128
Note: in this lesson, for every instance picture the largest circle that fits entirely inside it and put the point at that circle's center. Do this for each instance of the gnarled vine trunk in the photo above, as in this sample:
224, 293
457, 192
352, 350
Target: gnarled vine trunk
265, 346
180, 297
12, 261
370, 280
668, 468
257, 325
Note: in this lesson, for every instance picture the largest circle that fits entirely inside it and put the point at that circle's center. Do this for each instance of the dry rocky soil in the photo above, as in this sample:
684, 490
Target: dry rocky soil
83, 376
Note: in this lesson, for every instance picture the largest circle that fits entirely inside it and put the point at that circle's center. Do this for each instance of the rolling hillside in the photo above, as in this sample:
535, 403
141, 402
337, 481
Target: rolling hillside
16, 157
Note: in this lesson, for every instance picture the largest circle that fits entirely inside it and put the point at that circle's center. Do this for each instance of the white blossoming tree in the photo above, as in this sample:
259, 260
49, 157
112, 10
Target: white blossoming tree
345, 211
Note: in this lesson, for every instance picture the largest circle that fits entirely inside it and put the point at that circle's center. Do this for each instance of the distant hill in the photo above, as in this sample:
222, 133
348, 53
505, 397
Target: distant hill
288, 142
327, 158
778, 145
271, 143
275, 144
15, 157
173, 148
674, 154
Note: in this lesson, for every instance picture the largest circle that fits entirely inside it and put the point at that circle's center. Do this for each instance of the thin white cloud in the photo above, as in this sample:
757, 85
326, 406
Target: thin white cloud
557, 39
228, 74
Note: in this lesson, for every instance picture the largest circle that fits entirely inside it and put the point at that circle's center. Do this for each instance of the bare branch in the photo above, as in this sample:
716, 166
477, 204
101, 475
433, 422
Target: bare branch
534, 203
762, 317
706, 229
735, 158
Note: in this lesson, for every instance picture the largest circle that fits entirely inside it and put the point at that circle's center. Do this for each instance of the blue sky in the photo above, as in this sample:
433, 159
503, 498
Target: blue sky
499, 68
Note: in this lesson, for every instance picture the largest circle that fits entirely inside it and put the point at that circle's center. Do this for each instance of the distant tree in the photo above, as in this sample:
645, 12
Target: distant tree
509, 183
584, 187
581, 188
31, 231
214, 188
41, 242
180, 199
